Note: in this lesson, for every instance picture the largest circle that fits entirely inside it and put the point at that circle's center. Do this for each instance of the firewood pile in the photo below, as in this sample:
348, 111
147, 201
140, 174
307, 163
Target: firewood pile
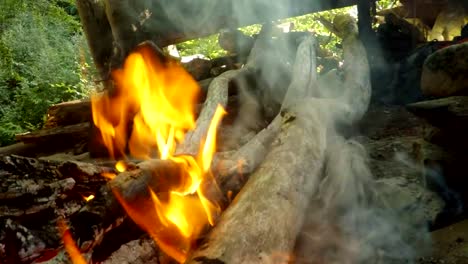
303, 171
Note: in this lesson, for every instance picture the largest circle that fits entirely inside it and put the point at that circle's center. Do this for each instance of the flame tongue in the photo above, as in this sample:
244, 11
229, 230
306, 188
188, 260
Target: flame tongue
149, 113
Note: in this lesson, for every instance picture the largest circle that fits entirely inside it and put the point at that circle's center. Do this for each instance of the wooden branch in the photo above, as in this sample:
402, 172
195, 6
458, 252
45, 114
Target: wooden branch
279, 190
167, 22
217, 95
233, 171
74, 133
357, 73
277, 193
304, 79
22, 149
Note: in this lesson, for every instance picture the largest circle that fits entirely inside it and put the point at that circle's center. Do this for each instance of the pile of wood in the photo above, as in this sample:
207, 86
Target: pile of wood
283, 152
294, 181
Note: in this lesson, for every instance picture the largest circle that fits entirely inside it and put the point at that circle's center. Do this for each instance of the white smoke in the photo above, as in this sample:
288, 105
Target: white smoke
348, 220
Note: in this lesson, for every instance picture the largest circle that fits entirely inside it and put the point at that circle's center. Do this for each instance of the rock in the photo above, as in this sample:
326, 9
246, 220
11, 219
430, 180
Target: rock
450, 116
443, 112
450, 245
445, 72
413, 203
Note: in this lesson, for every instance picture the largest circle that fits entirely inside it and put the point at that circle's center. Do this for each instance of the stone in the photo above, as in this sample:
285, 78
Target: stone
445, 72
450, 245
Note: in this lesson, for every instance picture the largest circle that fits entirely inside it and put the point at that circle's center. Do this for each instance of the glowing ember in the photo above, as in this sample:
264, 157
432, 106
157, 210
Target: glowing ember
88, 198
148, 114
69, 244
108, 175
120, 166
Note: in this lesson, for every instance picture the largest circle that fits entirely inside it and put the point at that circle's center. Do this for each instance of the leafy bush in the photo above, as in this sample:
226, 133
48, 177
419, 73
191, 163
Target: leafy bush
41, 63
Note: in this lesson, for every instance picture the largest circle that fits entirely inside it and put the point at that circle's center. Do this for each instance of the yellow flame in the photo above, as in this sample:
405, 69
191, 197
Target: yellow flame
88, 198
149, 112
120, 166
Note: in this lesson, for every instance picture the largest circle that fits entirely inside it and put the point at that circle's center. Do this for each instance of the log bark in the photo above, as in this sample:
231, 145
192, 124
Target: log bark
217, 95
52, 140
279, 190
277, 193
98, 33
74, 133
68, 113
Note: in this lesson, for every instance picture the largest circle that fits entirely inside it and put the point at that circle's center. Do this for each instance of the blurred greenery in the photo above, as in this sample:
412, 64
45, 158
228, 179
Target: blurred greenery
43, 61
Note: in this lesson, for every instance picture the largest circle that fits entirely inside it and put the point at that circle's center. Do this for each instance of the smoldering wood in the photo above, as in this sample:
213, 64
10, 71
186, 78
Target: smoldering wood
218, 92
217, 95
239, 236
277, 193
231, 173
34, 193
29, 185
279, 190
161, 175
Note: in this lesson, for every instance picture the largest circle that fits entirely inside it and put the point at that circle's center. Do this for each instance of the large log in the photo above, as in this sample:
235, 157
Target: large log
98, 33
267, 214
265, 218
169, 22
279, 190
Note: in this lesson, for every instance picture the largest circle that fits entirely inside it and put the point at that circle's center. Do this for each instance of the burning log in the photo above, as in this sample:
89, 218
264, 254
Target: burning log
277, 193
282, 163
217, 95
280, 187
279, 190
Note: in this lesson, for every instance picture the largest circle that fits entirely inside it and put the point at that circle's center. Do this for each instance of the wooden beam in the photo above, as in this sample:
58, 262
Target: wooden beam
170, 22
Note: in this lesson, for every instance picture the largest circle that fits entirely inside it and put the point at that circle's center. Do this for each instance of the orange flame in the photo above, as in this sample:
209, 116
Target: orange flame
149, 113
69, 244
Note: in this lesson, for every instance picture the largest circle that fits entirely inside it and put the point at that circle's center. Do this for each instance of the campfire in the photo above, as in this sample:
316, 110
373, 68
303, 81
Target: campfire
259, 163
239, 199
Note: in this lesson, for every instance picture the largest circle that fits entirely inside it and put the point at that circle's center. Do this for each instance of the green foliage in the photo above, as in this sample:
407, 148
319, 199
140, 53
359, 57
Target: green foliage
41, 62
207, 46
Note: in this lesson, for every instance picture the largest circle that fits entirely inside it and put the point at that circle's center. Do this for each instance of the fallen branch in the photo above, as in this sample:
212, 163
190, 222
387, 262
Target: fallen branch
279, 190
266, 215
217, 95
